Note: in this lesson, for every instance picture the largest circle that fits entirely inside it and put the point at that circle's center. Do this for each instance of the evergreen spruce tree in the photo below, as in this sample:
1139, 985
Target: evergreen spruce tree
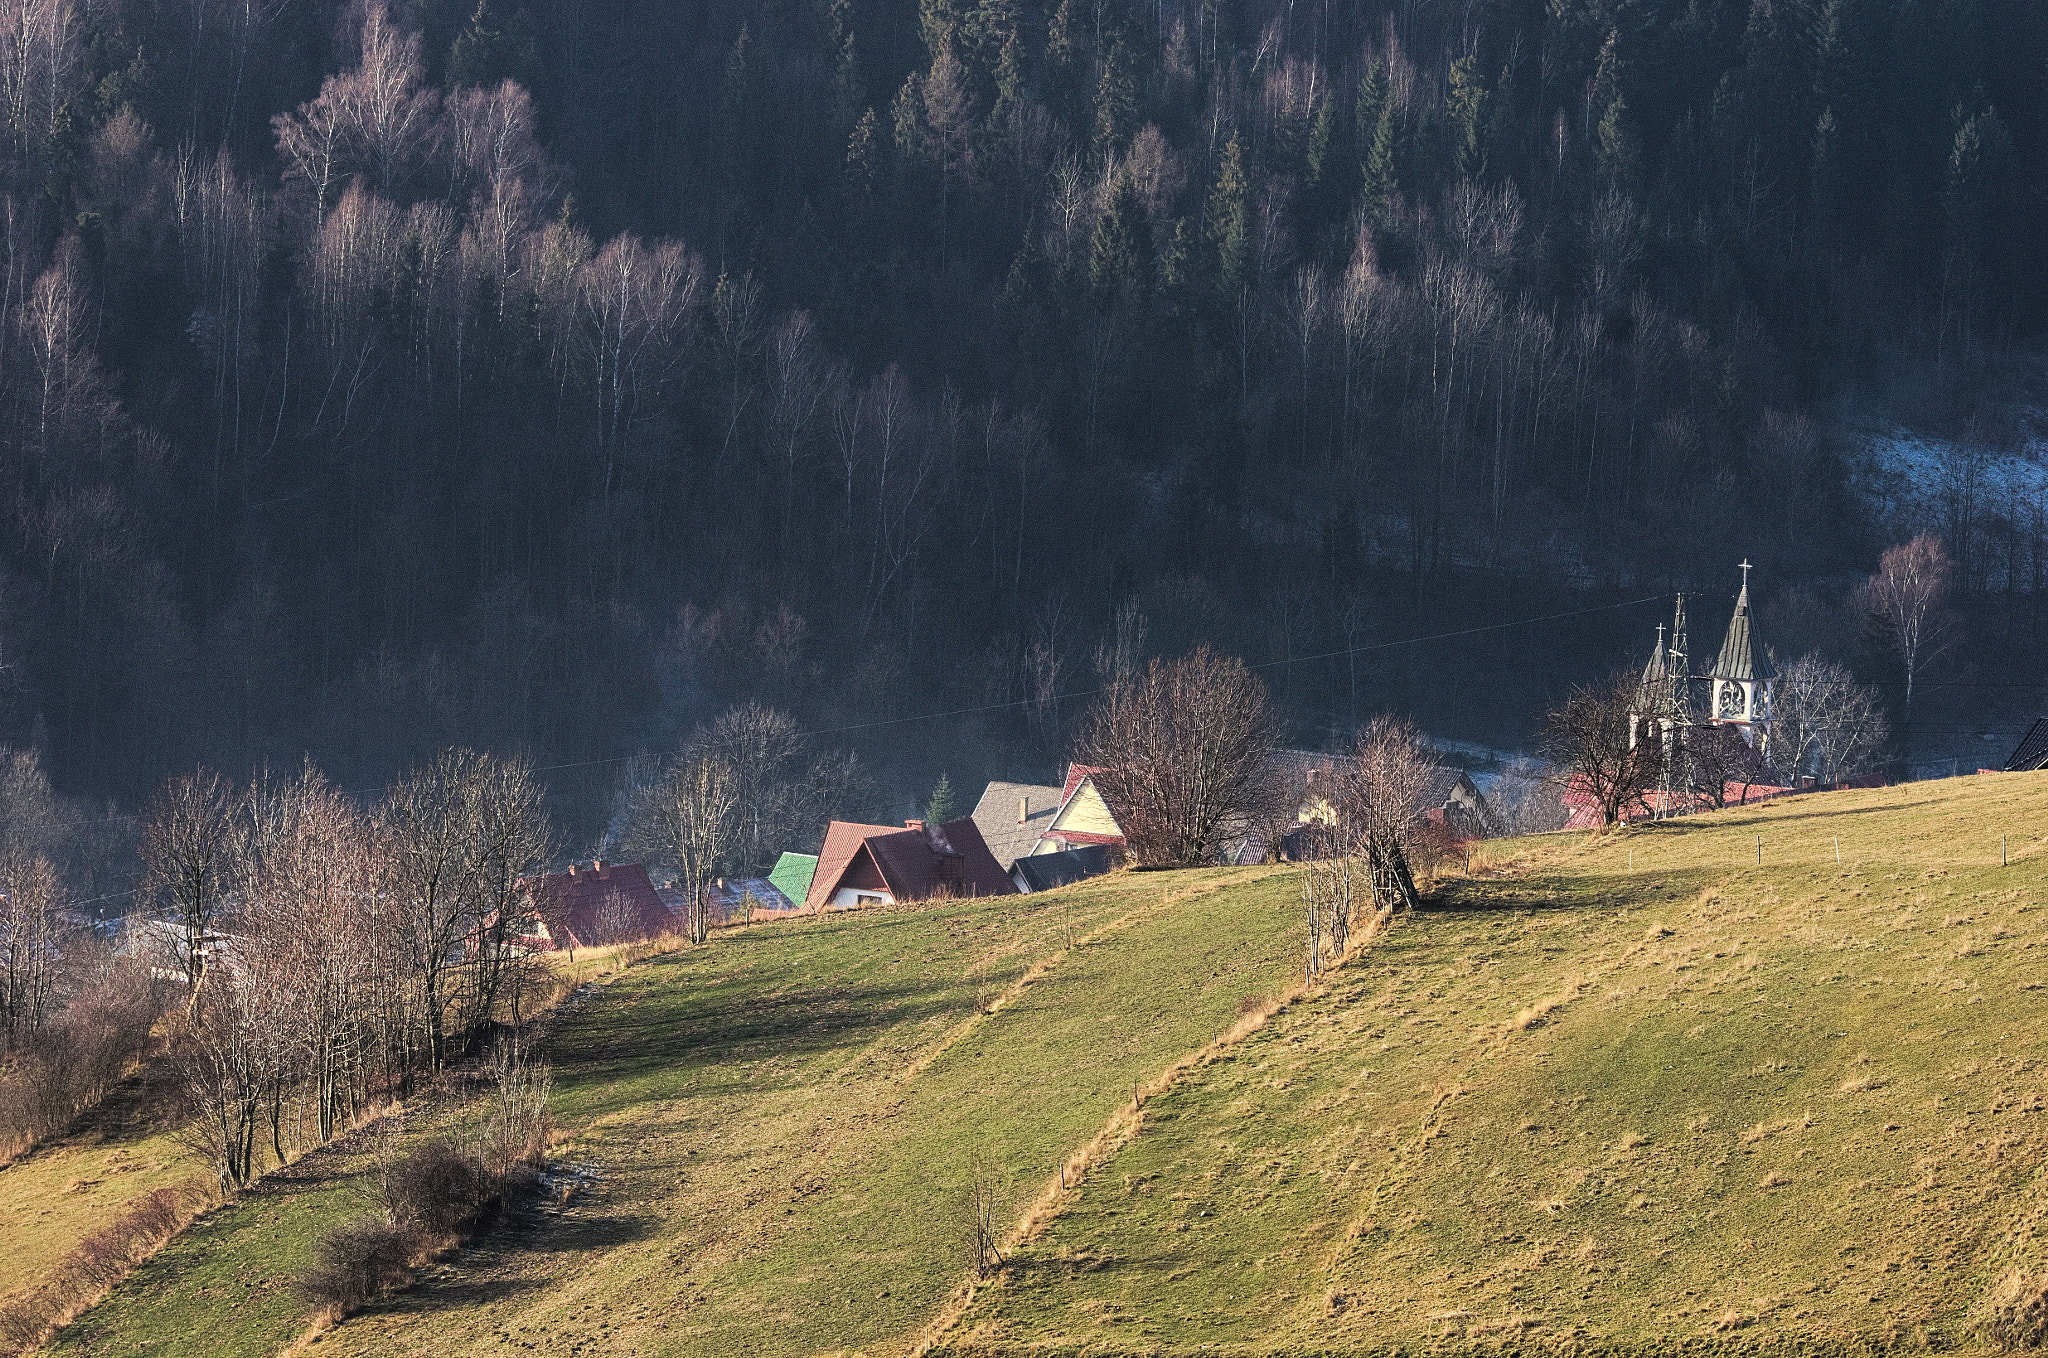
941, 807
1230, 223
913, 131
1120, 253
1615, 137
1381, 177
1062, 61
1116, 102
1467, 108
1319, 137
488, 50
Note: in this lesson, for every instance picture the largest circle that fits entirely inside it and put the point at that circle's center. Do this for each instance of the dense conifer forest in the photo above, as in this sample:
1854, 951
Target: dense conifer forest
544, 377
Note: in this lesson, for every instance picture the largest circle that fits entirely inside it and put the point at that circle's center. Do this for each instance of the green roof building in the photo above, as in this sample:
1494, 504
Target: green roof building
792, 875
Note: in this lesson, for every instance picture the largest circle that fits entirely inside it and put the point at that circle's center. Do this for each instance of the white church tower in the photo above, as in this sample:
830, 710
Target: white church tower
1740, 682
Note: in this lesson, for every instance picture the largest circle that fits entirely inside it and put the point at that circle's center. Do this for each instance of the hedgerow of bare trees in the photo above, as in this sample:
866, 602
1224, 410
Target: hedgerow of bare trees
359, 950
1184, 752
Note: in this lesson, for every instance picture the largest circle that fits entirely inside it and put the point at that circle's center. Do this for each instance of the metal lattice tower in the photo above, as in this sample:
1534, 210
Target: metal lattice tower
1674, 720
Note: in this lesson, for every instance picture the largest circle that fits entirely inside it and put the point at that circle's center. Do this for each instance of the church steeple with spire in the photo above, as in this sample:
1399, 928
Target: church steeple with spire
1741, 679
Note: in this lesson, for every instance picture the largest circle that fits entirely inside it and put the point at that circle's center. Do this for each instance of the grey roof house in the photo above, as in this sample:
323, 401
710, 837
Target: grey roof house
1012, 817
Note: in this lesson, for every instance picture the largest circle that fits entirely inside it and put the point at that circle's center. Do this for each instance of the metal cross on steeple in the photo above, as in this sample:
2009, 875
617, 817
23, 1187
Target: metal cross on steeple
1745, 575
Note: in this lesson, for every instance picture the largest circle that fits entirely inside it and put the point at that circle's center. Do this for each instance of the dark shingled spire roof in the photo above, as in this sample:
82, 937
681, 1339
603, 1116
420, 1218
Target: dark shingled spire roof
1742, 656
1649, 689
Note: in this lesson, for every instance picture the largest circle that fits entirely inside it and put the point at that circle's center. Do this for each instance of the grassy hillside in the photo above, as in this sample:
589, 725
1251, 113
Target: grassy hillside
1711, 1101
1636, 1093
54, 1198
781, 1126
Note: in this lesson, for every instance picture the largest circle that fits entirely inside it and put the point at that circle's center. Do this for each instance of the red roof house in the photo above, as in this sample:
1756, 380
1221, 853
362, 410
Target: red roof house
882, 864
589, 907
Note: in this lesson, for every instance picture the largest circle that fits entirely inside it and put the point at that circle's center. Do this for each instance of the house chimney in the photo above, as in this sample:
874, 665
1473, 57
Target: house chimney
597, 865
913, 825
1023, 810
572, 869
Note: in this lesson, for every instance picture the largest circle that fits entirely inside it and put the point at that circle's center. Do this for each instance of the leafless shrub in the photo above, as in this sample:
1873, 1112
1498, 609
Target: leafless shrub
437, 1191
355, 1263
980, 1224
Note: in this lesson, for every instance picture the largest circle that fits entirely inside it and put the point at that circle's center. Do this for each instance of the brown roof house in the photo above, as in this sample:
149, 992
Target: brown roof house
882, 865
590, 907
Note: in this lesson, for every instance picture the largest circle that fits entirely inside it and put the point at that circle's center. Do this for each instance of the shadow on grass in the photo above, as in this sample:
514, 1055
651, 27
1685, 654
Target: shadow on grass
1561, 891
454, 1294
690, 1028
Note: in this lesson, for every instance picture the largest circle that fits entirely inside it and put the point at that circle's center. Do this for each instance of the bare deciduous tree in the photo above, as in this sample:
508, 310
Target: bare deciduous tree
981, 1231
1905, 597
1720, 757
1588, 740
690, 816
1824, 722
1184, 754
189, 855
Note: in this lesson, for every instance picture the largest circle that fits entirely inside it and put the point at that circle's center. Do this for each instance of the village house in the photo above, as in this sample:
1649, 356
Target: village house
1044, 871
1013, 817
792, 876
1084, 817
885, 864
594, 906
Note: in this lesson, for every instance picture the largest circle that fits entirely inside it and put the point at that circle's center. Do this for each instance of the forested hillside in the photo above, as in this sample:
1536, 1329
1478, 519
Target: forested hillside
541, 376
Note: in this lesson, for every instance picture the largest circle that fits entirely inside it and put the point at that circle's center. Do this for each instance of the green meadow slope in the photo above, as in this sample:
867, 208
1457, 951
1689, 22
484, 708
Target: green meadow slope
778, 1132
1708, 1103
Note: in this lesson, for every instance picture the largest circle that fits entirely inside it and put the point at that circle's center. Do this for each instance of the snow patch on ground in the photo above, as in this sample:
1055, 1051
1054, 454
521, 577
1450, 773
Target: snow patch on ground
1912, 475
